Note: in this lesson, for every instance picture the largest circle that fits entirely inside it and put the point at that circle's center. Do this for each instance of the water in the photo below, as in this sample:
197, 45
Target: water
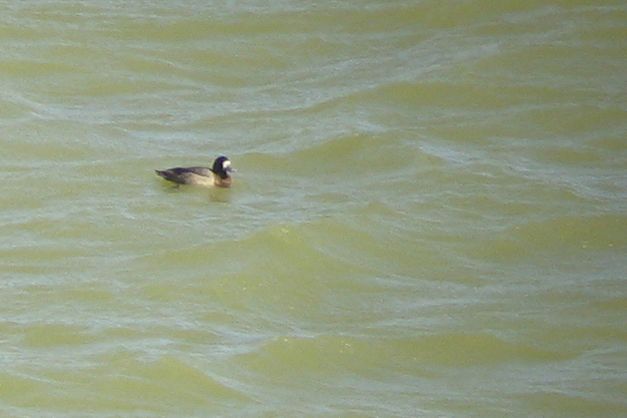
429, 218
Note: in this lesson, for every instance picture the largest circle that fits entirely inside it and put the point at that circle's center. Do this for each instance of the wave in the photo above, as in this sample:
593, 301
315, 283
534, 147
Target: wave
290, 356
558, 238
127, 385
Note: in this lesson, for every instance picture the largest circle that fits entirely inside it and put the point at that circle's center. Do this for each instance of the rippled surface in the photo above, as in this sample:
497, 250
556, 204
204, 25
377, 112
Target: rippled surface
429, 217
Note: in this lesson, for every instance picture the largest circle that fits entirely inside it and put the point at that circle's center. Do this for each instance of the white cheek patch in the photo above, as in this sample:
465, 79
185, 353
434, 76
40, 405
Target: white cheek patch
226, 164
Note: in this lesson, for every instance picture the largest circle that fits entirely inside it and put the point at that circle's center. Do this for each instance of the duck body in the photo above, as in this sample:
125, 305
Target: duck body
218, 175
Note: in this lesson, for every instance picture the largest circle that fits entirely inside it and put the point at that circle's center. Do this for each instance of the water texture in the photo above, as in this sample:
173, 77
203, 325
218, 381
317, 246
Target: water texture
429, 217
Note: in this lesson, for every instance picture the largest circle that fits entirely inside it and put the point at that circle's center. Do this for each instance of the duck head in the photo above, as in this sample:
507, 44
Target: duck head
222, 167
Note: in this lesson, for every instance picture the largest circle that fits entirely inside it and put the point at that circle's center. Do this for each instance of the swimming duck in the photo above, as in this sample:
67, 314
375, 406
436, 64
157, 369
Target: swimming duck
218, 175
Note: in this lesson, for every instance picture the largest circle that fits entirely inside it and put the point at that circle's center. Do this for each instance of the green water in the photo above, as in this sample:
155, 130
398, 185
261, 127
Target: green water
429, 217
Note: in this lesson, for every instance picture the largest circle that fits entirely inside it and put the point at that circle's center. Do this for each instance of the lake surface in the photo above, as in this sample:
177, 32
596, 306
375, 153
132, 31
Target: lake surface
429, 217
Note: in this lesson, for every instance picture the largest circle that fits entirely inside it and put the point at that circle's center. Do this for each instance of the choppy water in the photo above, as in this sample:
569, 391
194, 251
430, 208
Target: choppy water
429, 218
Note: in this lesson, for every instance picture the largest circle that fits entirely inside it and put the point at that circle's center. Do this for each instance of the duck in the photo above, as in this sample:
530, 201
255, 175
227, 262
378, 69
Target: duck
219, 175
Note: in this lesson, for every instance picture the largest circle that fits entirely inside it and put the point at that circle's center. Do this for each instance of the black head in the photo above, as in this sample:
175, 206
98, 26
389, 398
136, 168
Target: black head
222, 167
